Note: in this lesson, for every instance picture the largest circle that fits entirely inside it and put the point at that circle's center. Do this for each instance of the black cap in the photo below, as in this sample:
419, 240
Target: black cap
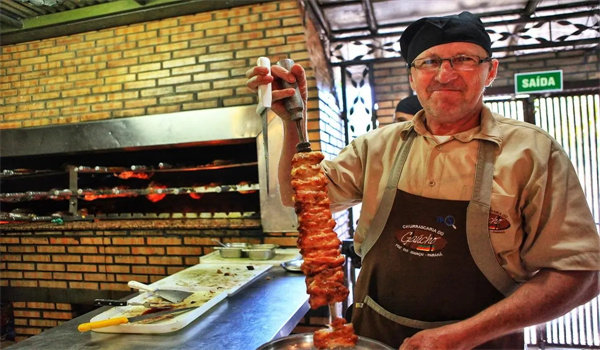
410, 105
431, 31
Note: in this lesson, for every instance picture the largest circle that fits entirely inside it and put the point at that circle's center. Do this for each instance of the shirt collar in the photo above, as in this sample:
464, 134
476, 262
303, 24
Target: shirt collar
487, 130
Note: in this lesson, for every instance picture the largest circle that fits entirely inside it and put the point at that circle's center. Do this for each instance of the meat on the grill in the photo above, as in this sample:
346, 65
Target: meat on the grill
320, 246
133, 175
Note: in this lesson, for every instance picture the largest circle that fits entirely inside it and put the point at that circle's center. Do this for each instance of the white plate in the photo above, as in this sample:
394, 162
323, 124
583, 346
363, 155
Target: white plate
203, 299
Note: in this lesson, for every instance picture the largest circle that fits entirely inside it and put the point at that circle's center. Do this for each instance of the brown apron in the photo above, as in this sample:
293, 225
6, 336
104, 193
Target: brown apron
421, 272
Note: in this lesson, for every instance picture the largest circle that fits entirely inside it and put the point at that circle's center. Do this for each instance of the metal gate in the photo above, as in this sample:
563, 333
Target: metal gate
573, 120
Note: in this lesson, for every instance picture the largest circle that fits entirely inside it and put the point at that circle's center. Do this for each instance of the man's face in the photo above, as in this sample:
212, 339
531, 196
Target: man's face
402, 117
449, 95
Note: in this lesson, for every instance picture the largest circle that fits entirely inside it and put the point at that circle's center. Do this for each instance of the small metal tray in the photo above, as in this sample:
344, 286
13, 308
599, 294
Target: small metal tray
304, 341
292, 265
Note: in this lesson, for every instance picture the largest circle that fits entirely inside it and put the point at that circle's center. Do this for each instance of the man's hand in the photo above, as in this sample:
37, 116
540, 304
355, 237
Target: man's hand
434, 339
258, 76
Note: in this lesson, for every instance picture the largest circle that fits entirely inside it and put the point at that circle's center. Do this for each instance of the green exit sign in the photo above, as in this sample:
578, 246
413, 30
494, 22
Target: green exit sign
538, 82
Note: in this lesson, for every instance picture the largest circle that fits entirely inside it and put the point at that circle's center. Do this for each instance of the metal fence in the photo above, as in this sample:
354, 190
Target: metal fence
573, 120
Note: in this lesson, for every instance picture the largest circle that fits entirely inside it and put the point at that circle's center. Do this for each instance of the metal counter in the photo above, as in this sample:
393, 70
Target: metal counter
266, 309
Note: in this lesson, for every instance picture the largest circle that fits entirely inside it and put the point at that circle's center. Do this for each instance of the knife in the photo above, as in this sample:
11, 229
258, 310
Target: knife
264, 103
147, 304
295, 106
84, 327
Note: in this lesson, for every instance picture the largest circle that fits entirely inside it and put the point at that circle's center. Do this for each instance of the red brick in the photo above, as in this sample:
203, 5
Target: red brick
51, 249
130, 259
58, 315
39, 305
118, 268
20, 266
51, 267
63, 306
36, 257
148, 250
68, 276
23, 283
97, 259
148, 270
81, 268
115, 250
82, 250
37, 275
43, 323
128, 240
99, 277
34, 240
66, 258
165, 260
83, 285
184, 250
53, 284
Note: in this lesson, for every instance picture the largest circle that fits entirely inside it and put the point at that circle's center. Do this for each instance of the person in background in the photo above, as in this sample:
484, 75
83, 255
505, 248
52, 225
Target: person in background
407, 108
473, 226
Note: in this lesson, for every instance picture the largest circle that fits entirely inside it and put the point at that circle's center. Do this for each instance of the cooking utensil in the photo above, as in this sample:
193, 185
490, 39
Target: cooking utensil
174, 296
84, 327
295, 106
304, 341
147, 304
293, 265
264, 103
219, 242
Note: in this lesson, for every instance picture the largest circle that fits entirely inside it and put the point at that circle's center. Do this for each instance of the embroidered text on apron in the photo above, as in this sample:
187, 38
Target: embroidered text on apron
421, 273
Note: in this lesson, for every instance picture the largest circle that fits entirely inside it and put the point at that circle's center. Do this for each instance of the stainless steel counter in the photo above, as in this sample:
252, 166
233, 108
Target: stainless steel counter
266, 309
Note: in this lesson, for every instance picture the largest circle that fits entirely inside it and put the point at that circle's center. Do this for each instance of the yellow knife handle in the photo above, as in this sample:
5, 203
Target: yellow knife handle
84, 327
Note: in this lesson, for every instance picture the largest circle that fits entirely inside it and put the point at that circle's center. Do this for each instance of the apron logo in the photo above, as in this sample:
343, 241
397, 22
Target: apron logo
448, 221
421, 240
498, 221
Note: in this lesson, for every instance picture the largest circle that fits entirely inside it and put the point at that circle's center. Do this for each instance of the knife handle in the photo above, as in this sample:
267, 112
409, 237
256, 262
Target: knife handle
84, 327
265, 96
138, 285
293, 104
109, 302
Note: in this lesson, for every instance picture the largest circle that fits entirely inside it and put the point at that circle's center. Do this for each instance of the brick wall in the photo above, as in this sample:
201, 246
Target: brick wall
577, 65
176, 64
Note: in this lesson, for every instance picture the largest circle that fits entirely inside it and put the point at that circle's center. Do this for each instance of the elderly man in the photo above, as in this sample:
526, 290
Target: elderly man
473, 226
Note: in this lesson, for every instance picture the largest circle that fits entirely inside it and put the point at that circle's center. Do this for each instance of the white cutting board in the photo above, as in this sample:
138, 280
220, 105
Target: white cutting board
210, 283
203, 299
219, 276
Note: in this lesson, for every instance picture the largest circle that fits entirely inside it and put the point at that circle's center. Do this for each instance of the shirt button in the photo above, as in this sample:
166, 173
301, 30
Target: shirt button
439, 147
431, 183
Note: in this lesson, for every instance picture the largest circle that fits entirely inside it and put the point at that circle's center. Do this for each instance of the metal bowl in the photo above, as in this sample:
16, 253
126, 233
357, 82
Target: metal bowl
260, 253
304, 341
229, 252
264, 246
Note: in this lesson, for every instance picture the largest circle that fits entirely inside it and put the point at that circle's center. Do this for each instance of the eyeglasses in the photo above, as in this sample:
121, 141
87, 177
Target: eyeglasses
458, 62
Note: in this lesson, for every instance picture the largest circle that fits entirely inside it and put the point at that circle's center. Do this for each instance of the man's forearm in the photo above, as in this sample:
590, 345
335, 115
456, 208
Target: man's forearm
548, 295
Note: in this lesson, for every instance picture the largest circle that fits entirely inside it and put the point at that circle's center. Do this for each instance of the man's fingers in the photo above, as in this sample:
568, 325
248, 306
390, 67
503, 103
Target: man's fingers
257, 70
257, 80
283, 73
284, 93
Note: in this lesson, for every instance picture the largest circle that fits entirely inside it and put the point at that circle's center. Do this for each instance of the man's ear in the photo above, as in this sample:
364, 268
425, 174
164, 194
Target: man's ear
491, 76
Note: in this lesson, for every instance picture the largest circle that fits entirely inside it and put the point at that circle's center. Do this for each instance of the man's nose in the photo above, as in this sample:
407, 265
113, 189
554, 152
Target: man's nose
446, 73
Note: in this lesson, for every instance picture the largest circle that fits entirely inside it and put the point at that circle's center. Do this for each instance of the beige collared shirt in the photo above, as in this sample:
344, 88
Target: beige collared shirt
539, 212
